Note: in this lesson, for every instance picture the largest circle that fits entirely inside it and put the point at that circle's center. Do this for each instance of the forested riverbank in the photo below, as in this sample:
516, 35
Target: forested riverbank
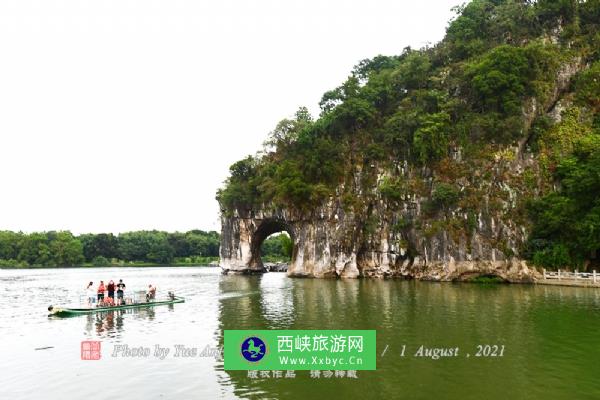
139, 248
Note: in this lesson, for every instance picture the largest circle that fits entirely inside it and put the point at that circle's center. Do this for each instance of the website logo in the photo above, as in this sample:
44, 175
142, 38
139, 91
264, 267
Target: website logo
253, 349
312, 349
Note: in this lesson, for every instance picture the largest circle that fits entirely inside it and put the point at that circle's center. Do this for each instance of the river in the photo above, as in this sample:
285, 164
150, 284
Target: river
549, 335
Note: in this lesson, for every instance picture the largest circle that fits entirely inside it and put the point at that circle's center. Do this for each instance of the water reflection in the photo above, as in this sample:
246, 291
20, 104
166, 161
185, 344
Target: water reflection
25, 326
532, 322
550, 334
276, 299
112, 323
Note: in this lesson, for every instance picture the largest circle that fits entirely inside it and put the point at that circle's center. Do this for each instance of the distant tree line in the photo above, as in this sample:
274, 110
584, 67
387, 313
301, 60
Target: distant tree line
277, 248
63, 249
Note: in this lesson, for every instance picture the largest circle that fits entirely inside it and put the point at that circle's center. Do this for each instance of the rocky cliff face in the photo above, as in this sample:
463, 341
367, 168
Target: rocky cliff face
333, 242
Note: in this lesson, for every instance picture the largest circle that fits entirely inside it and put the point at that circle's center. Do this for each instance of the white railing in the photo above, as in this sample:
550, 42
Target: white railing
572, 276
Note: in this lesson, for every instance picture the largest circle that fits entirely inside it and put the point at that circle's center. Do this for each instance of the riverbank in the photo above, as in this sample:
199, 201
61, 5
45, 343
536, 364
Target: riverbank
272, 264
209, 261
568, 283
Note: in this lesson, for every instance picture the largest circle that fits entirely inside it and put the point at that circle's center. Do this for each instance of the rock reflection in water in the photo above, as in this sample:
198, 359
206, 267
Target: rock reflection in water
528, 320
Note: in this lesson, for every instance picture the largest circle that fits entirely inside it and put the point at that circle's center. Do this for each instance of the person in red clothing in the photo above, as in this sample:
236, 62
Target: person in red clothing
101, 290
111, 290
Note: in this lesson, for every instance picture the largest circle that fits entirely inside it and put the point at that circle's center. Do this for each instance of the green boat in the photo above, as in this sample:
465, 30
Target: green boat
69, 312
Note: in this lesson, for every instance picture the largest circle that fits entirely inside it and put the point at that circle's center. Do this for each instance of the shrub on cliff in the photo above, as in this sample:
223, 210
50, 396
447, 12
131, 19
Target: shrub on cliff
567, 222
445, 195
588, 88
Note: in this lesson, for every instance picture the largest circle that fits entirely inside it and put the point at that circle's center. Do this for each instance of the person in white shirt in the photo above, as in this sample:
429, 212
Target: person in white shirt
91, 294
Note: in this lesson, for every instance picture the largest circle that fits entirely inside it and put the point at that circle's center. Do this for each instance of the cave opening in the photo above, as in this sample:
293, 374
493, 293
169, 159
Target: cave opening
272, 243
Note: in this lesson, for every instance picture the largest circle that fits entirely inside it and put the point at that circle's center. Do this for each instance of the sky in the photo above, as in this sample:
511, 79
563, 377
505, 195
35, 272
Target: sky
121, 115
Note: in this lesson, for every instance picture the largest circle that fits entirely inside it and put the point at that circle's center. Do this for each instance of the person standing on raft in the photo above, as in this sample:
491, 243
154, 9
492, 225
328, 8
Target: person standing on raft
91, 294
120, 289
111, 289
101, 290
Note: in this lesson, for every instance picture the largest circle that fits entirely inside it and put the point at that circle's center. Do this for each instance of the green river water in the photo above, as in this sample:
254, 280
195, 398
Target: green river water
550, 337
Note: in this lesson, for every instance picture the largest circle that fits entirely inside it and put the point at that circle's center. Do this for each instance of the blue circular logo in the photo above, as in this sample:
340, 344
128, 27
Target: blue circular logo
253, 349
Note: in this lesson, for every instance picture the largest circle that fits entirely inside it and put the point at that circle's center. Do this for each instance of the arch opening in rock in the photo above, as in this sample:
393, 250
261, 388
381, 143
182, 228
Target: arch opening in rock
268, 228
276, 252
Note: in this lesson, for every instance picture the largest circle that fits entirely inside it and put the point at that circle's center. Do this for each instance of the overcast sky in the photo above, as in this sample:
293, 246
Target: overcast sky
119, 115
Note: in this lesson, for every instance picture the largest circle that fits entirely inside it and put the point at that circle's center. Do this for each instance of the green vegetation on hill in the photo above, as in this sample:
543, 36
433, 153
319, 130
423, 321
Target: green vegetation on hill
470, 92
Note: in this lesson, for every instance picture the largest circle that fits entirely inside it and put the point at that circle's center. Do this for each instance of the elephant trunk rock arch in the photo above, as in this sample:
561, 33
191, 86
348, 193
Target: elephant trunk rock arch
242, 236
332, 242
